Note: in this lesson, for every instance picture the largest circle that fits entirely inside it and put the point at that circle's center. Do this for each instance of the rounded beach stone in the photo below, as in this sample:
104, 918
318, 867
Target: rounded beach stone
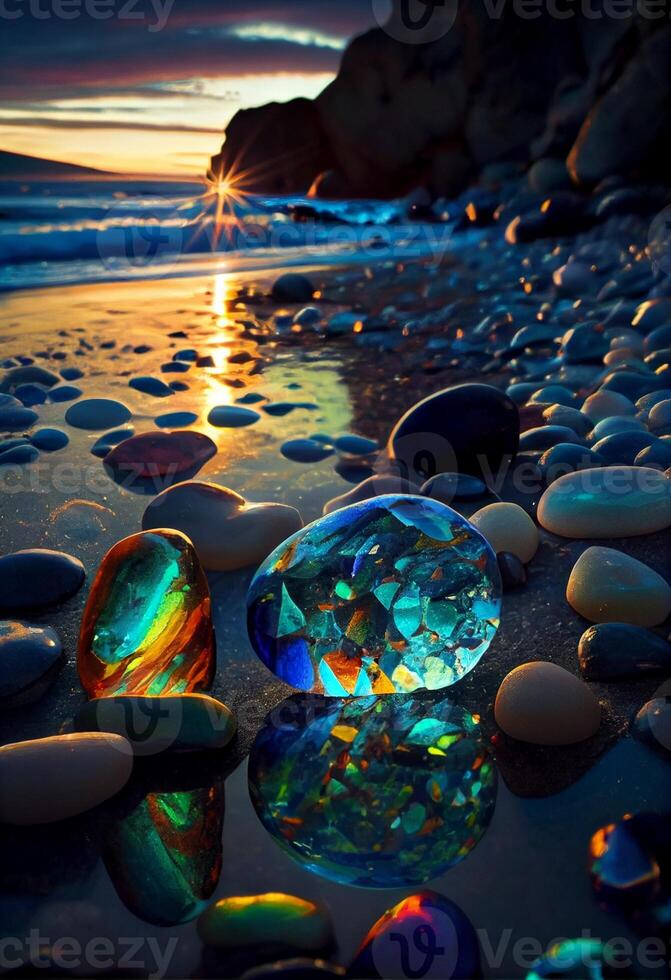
470, 428
353, 445
507, 527
30, 395
160, 454
607, 586
395, 593
64, 393
657, 456
305, 451
49, 440
172, 722
613, 650
623, 447
513, 572
604, 404
151, 386
97, 413
566, 458
175, 420
102, 446
546, 436
615, 424
147, 625
543, 704
454, 942
422, 788
374, 486
30, 658
270, 919
226, 531
567, 416
659, 420
49, 779
18, 454
292, 287
610, 502
29, 374
232, 417
652, 724
38, 577
457, 488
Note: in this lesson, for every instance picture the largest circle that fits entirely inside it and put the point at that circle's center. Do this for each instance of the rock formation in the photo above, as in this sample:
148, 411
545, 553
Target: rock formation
589, 93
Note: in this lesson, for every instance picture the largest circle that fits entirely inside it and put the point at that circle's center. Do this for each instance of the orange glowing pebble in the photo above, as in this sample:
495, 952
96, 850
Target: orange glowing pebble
147, 626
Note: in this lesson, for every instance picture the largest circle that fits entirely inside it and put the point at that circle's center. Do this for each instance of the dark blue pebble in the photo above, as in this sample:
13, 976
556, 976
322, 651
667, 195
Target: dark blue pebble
38, 577
207, 361
64, 393
456, 487
13, 418
103, 445
633, 386
513, 572
292, 287
151, 386
31, 394
658, 339
658, 455
609, 651
567, 458
179, 386
175, 367
283, 408
50, 439
175, 420
186, 355
30, 657
141, 349
18, 455
71, 374
546, 436
353, 445
251, 398
232, 417
305, 451
623, 447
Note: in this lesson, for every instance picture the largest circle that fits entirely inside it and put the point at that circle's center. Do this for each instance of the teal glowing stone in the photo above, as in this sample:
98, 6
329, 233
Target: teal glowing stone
376, 792
393, 594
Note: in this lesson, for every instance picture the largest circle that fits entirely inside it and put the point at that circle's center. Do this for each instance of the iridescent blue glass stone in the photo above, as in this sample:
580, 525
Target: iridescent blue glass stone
377, 791
393, 594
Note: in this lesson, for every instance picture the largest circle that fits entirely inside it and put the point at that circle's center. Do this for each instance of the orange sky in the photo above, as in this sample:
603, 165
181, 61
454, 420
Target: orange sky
181, 131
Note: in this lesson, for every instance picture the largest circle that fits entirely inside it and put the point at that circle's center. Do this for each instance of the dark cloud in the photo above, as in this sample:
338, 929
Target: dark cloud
48, 57
46, 122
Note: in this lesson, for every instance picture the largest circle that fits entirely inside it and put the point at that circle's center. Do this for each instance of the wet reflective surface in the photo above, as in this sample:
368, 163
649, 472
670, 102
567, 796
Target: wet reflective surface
375, 791
527, 876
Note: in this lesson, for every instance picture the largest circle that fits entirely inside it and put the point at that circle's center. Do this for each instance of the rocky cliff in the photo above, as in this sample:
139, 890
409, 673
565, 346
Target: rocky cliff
588, 94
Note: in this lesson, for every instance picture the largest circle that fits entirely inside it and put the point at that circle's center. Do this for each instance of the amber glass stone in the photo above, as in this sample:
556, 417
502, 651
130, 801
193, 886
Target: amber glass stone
147, 626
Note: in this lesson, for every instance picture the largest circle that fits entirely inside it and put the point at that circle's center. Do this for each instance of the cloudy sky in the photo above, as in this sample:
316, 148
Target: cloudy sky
149, 85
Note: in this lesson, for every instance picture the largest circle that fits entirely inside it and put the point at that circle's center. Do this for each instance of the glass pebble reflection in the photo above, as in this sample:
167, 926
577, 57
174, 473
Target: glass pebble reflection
390, 595
377, 791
